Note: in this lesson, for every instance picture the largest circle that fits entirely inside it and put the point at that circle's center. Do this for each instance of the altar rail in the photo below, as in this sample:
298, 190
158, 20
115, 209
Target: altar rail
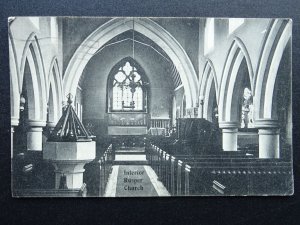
228, 174
160, 123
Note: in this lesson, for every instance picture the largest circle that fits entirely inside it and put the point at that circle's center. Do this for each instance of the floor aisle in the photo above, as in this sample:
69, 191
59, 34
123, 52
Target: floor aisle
134, 181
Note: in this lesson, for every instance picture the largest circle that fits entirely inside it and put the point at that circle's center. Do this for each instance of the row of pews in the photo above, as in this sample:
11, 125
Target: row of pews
97, 173
227, 173
30, 171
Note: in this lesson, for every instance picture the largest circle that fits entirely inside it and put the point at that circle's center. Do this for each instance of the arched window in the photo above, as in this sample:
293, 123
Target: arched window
127, 87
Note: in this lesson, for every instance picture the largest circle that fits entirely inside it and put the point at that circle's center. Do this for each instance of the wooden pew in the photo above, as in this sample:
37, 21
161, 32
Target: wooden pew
218, 187
97, 173
32, 174
241, 178
167, 168
194, 175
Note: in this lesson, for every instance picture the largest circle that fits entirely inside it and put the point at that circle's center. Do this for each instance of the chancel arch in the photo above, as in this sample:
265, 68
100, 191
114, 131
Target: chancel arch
146, 27
208, 91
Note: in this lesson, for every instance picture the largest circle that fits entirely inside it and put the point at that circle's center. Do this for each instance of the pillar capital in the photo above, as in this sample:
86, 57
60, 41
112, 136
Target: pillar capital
14, 121
35, 129
229, 130
228, 124
51, 124
37, 123
269, 131
266, 123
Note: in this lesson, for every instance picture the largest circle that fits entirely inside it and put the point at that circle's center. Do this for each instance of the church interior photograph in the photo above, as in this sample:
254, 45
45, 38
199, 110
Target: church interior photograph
140, 107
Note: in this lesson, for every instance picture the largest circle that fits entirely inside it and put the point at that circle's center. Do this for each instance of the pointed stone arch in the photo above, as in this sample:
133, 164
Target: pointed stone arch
208, 88
14, 83
277, 38
146, 27
32, 63
228, 104
54, 91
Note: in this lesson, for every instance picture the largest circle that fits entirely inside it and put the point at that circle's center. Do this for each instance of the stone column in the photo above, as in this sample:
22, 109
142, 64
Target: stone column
269, 138
201, 106
35, 136
12, 130
14, 122
229, 135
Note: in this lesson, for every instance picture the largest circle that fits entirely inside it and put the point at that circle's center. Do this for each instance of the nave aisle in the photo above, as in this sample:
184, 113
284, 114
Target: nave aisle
133, 180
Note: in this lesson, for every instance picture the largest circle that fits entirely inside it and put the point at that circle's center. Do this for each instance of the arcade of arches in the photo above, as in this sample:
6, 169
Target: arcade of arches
138, 80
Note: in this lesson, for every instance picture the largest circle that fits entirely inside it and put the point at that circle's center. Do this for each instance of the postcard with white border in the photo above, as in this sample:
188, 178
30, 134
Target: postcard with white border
141, 107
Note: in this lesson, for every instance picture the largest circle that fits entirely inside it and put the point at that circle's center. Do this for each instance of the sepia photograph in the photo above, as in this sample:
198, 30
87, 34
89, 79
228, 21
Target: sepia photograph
150, 106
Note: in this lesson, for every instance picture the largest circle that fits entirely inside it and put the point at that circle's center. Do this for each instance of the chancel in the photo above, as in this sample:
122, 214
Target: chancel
126, 107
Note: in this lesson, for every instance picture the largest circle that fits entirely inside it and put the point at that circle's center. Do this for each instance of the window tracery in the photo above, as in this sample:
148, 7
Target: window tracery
128, 89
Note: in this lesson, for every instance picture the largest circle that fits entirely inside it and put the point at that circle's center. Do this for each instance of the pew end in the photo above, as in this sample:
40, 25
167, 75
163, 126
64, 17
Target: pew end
218, 188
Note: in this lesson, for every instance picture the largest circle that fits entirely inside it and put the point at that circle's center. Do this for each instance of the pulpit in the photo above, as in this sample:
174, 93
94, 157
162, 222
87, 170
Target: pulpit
197, 136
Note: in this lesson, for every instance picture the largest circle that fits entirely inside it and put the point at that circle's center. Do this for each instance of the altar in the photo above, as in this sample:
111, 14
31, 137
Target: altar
127, 130
157, 131
127, 124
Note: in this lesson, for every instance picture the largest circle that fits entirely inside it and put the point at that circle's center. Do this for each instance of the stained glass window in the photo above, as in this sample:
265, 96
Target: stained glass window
127, 89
